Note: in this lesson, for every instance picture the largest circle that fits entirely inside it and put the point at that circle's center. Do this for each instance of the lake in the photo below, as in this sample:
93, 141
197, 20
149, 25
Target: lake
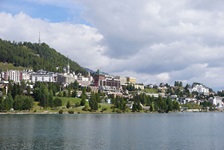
175, 131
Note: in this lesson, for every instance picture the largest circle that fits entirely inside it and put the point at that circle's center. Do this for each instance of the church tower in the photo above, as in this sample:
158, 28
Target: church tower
39, 39
68, 67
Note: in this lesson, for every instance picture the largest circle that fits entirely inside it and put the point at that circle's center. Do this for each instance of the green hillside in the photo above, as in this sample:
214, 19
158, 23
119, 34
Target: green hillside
9, 66
33, 55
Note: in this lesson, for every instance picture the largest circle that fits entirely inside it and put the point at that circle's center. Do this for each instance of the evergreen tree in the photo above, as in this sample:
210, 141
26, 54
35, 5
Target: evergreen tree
28, 90
139, 107
176, 105
41, 94
1, 102
134, 108
93, 102
57, 102
28, 103
151, 107
74, 93
69, 92
64, 94
169, 104
68, 104
83, 97
7, 103
51, 99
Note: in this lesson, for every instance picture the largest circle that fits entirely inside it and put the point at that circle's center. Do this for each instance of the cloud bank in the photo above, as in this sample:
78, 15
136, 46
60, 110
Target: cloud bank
154, 41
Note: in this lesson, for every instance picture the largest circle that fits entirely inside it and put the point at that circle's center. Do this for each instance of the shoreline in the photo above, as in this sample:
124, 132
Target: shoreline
66, 112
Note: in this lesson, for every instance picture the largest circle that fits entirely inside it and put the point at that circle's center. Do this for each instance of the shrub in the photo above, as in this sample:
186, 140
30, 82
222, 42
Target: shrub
118, 111
85, 108
104, 109
68, 105
57, 102
71, 111
60, 111
77, 104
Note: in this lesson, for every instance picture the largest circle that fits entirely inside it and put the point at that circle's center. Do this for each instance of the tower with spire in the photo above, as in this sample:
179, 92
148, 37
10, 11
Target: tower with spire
39, 39
68, 67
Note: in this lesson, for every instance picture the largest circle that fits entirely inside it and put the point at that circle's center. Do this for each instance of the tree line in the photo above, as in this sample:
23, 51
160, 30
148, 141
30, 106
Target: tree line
21, 97
35, 56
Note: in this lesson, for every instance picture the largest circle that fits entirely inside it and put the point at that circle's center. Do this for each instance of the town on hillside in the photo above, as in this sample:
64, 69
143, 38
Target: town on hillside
123, 92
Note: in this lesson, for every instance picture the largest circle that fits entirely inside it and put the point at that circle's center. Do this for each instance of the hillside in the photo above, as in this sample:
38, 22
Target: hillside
9, 66
33, 55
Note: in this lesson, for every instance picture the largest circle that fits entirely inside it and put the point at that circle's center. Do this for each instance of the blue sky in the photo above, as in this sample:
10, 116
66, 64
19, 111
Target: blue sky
153, 40
45, 10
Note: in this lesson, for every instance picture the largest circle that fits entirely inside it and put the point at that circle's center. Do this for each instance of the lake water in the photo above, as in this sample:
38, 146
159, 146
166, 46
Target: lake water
174, 131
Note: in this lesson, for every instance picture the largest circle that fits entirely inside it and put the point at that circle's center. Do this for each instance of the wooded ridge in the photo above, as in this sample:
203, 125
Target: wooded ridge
36, 56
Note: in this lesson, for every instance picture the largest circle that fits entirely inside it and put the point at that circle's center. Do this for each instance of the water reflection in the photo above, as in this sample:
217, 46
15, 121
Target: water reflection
112, 131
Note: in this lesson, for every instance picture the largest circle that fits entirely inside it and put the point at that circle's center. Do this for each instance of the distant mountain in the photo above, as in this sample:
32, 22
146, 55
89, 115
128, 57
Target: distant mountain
36, 56
92, 72
89, 70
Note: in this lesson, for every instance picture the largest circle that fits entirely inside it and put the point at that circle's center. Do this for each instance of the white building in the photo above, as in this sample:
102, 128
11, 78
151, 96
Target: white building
13, 75
123, 80
139, 86
66, 78
43, 76
84, 81
25, 76
200, 89
216, 101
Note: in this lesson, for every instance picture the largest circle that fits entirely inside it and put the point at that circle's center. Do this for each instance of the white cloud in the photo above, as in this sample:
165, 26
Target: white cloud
156, 40
161, 38
80, 42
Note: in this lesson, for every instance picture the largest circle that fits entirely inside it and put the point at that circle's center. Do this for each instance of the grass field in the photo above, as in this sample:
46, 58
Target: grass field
9, 66
102, 106
72, 100
150, 90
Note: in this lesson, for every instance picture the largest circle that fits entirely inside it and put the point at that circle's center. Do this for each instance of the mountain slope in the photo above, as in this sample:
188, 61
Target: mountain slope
33, 55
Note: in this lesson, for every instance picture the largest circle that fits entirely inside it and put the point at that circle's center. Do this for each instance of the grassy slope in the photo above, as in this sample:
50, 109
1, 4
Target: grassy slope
150, 90
9, 66
72, 101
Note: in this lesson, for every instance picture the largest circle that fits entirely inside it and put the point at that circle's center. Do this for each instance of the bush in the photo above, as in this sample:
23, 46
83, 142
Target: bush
104, 109
57, 102
85, 108
71, 111
118, 111
77, 104
68, 105
60, 111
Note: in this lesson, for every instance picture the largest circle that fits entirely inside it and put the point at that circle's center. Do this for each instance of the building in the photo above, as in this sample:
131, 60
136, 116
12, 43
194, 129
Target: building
139, 86
123, 80
4, 86
216, 101
131, 80
186, 100
149, 86
14, 75
43, 76
66, 78
25, 76
84, 81
98, 77
106, 82
200, 89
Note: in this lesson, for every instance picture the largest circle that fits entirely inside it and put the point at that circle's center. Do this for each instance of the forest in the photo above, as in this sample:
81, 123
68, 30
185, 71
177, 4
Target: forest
36, 56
